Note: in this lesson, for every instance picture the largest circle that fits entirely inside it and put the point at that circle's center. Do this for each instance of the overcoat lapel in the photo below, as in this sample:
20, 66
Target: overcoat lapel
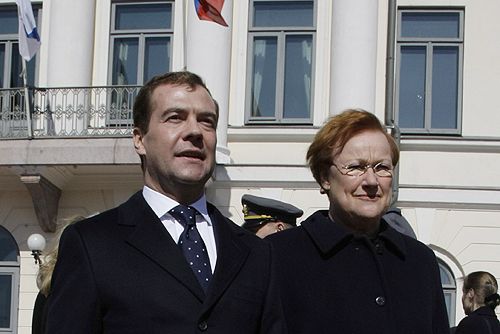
231, 255
153, 240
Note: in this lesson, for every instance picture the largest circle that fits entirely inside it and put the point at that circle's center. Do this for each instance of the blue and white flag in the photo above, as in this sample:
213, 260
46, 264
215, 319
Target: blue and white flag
29, 40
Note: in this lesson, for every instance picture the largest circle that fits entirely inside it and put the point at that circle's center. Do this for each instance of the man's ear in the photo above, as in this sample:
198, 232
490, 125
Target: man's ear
325, 186
138, 145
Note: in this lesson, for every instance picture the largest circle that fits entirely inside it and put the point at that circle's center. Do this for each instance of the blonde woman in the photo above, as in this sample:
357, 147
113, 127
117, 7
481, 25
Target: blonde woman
44, 277
479, 300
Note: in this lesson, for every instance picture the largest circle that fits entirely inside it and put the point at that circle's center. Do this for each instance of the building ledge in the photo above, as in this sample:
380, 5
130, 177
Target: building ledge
72, 151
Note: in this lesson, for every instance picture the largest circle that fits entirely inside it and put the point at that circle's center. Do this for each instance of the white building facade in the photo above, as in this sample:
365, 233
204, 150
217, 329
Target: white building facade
279, 69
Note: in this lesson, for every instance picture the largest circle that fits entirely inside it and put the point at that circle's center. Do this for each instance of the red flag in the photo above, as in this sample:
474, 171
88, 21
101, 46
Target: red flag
210, 10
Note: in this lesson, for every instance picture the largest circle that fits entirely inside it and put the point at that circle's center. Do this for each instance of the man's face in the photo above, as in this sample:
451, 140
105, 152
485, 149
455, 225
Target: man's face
272, 227
179, 147
360, 201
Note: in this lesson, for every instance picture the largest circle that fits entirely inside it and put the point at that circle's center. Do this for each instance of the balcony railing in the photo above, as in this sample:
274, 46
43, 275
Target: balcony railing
104, 111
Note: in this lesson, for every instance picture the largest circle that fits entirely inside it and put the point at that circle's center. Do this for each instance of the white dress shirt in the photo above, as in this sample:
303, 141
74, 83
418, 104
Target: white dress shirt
162, 204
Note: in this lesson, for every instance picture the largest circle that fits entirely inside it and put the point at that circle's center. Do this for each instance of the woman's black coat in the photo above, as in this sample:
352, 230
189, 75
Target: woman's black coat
481, 321
332, 281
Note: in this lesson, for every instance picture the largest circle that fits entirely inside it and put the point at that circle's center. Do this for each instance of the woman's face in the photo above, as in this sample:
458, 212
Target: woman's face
360, 201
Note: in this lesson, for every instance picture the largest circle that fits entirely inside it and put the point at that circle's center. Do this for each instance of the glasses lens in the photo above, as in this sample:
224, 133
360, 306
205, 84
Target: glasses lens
355, 170
382, 170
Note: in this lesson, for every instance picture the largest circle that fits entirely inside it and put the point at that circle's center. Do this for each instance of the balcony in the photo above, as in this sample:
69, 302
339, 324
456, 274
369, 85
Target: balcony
83, 112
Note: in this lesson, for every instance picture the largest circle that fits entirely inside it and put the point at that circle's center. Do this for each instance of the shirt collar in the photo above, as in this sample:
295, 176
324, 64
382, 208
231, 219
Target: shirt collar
161, 204
330, 236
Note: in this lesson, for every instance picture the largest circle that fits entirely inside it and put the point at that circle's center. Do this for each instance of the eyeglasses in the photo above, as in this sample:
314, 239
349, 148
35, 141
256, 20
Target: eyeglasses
380, 169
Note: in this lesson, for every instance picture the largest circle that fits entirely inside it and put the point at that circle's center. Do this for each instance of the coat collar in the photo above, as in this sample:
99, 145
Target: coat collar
485, 311
330, 237
151, 238
231, 255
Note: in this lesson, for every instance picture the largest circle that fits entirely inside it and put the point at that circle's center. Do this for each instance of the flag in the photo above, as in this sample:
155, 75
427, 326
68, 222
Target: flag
210, 10
29, 40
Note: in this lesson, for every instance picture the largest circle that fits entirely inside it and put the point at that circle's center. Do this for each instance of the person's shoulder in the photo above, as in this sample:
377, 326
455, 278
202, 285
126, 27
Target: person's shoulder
417, 246
104, 220
473, 323
289, 241
286, 235
236, 230
476, 322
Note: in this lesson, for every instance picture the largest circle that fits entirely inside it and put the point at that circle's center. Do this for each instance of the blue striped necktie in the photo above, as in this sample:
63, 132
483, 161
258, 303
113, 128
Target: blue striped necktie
192, 245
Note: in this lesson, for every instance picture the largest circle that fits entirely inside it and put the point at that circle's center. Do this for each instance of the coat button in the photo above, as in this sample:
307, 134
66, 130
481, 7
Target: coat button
380, 301
202, 326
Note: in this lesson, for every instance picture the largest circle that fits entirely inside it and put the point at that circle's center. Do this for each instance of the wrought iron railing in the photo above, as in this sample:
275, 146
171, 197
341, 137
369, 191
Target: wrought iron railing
104, 111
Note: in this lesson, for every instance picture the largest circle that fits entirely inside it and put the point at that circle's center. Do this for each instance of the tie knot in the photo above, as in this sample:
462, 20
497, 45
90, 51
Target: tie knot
186, 215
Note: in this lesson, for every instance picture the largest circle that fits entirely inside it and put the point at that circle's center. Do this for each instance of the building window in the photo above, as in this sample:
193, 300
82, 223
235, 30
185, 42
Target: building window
141, 47
13, 116
449, 290
141, 38
9, 282
281, 53
429, 67
10, 59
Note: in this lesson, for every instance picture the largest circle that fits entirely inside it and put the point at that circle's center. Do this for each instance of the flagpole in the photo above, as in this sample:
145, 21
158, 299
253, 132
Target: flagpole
184, 32
27, 104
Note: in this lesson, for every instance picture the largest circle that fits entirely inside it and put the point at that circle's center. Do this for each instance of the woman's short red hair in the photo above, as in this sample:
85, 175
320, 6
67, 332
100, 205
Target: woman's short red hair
336, 132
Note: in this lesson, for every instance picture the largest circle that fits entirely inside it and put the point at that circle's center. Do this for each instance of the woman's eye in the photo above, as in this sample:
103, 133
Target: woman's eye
355, 167
383, 167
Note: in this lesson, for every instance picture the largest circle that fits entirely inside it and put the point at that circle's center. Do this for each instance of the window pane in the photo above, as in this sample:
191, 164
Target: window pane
445, 87
264, 77
5, 300
8, 17
143, 16
448, 301
430, 24
125, 59
445, 276
16, 67
283, 14
412, 87
157, 58
298, 57
8, 246
2, 63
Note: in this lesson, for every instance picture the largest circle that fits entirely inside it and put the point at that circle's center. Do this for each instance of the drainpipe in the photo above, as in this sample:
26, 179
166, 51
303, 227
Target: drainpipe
389, 89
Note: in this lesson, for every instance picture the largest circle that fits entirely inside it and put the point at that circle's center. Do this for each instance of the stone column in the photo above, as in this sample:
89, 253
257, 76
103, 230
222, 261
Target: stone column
354, 55
208, 54
71, 41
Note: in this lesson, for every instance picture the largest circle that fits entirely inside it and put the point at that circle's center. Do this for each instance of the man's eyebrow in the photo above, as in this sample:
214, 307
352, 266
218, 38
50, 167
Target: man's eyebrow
173, 110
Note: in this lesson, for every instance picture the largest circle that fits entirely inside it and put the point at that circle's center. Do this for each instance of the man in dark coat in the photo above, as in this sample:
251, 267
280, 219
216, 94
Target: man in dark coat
166, 261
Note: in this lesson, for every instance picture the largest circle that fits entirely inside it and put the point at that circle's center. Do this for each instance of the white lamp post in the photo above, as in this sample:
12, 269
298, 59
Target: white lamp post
36, 244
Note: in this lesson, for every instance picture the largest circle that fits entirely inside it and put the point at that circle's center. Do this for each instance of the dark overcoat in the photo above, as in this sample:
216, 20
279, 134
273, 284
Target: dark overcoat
121, 272
332, 281
481, 321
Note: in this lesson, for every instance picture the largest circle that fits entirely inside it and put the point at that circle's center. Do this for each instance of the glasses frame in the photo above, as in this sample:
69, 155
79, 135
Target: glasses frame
366, 167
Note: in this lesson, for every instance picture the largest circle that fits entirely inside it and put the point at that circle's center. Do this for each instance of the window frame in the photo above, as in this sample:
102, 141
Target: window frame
10, 40
14, 298
449, 289
11, 268
141, 35
281, 33
123, 109
429, 43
